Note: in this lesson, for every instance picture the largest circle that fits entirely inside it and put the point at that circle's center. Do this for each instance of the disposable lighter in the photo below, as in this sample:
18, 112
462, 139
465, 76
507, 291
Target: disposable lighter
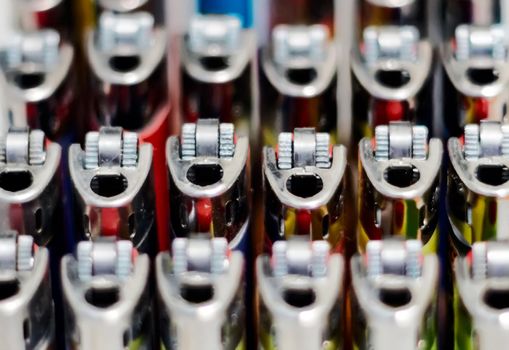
395, 296
114, 189
399, 185
209, 173
300, 288
26, 305
306, 190
107, 296
126, 55
201, 289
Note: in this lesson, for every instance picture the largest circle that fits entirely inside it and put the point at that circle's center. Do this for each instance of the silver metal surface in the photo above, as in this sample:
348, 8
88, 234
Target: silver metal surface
208, 166
29, 184
113, 184
104, 258
26, 307
39, 52
218, 67
107, 296
208, 139
472, 41
214, 35
478, 47
124, 35
401, 140
201, 290
126, 54
395, 296
305, 156
475, 13
300, 268
36, 69
475, 57
304, 162
401, 168
304, 147
217, 37
477, 279
111, 148
300, 48
478, 177
391, 42
393, 49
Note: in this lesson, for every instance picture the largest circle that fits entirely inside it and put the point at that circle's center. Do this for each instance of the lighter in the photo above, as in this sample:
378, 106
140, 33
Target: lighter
210, 182
477, 187
399, 182
31, 198
482, 280
30, 186
391, 68
201, 289
298, 86
218, 71
300, 288
127, 57
26, 308
107, 297
306, 189
114, 188
40, 84
394, 305
476, 61
41, 92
